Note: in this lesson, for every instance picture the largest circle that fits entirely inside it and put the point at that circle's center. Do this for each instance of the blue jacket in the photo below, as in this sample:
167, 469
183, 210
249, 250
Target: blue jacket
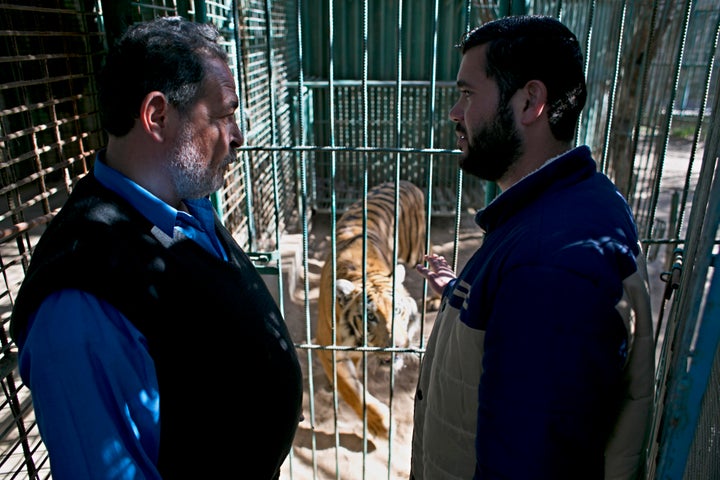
541, 358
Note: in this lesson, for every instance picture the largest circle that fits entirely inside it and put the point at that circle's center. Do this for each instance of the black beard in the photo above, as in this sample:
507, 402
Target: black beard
494, 148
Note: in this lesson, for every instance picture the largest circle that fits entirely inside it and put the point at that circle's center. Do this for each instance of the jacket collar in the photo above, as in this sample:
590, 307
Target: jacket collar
566, 169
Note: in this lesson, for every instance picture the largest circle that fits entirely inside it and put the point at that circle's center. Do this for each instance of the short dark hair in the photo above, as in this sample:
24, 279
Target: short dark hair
535, 47
167, 54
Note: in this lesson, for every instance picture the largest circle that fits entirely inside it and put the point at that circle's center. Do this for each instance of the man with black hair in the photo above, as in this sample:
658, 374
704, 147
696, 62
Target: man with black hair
540, 363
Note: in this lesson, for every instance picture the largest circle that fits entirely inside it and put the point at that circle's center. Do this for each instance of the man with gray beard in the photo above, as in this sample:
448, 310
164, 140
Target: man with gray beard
140, 317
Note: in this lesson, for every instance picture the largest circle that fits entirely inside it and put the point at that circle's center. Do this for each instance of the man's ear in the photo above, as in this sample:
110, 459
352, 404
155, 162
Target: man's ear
534, 101
154, 115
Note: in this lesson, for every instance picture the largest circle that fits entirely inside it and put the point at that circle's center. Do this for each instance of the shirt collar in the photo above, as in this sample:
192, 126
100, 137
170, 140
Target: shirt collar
155, 210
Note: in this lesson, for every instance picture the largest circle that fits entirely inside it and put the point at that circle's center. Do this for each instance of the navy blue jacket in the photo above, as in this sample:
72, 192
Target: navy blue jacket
527, 368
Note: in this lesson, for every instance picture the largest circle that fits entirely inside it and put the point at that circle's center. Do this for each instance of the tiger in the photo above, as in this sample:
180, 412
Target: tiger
349, 331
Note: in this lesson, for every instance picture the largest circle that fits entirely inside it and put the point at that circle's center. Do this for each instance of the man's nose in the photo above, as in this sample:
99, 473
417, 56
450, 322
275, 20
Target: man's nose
455, 113
236, 138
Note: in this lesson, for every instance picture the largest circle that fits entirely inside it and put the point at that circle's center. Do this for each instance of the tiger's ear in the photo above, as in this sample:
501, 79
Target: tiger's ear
400, 273
344, 288
343, 292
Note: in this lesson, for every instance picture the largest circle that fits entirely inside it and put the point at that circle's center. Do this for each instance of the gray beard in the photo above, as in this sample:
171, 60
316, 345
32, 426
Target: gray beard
192, 179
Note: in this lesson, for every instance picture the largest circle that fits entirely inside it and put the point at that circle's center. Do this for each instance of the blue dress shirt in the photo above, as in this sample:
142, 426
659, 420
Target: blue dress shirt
92, 379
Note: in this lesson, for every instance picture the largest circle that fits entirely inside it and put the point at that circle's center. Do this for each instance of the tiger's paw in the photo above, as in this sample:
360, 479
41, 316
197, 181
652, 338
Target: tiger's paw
378, 419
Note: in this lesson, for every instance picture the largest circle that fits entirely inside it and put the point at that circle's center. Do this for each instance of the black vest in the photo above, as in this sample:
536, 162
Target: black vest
227, 368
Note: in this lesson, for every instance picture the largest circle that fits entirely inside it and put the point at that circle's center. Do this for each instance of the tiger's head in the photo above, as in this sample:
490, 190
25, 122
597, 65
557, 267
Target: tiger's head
379, 307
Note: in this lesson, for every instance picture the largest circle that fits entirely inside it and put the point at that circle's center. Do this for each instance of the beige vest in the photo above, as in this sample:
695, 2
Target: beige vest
448, 384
